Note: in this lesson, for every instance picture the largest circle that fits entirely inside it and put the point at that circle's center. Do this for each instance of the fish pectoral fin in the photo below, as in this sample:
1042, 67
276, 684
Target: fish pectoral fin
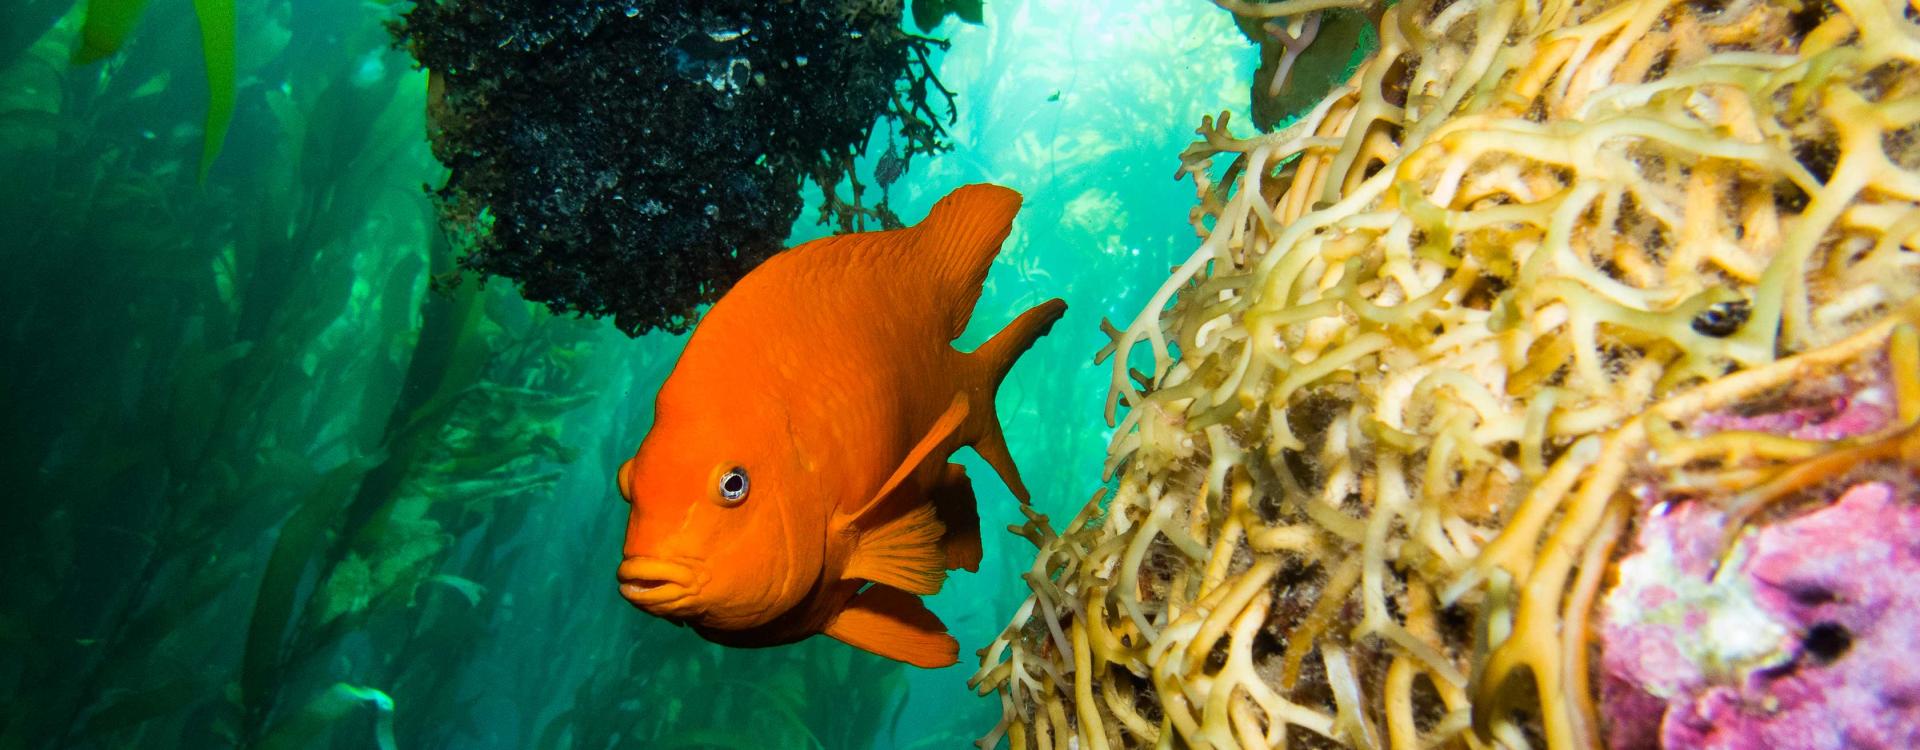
896, 625
953, 501
943, 428
903, 552
900, 547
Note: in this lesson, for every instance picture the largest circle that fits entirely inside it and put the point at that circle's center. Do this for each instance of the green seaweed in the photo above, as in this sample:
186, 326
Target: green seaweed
108, 24
137, 707
300, 538
318, 717
928, 14
1343, 38
217, 32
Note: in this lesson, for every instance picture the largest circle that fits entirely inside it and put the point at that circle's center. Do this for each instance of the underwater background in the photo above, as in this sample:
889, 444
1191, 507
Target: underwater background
268, 489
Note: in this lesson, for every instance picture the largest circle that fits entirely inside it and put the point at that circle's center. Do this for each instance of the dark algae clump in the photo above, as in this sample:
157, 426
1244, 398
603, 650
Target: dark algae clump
635, 159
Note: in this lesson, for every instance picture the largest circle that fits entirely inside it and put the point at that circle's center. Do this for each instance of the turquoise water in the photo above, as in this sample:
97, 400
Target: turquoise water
273, 492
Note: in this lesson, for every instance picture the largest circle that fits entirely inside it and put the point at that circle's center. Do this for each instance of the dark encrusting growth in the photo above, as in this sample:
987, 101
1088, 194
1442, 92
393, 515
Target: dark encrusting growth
635, 159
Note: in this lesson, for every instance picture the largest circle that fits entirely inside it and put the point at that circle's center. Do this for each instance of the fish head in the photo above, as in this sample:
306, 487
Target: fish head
724, 528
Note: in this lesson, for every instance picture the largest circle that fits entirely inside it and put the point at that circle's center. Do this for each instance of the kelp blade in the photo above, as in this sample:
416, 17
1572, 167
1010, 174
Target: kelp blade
317, 717
107, 26
217, 32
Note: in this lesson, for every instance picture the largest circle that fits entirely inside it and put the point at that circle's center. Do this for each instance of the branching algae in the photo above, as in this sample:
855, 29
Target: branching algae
1541, 280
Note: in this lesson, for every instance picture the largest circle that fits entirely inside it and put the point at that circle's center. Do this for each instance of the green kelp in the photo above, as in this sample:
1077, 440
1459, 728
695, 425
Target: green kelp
1303, 55
217, 35
110, 22
635, 160
236, 453
928, 14
673, 691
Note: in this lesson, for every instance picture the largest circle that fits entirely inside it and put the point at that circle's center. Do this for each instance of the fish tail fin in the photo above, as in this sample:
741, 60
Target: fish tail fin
997, 357
1000, 352
957, 243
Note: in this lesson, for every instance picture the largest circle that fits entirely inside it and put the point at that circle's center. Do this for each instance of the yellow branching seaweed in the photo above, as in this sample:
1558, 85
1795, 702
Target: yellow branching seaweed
1434, 330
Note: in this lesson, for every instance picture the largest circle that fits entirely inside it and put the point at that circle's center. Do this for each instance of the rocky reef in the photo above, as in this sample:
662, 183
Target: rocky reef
1552, 382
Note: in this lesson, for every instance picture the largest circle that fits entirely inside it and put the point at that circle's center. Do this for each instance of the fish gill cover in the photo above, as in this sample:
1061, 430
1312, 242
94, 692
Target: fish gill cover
634, 159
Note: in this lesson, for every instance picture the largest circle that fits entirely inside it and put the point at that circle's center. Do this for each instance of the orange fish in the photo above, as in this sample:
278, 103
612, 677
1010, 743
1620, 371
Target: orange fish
797, 478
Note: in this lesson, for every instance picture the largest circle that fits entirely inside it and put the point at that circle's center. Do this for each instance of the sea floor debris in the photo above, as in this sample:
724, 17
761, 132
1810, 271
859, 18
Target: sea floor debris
1543, 287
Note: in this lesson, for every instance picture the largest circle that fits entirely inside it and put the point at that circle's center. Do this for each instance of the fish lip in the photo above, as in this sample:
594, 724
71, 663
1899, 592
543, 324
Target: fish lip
657, 585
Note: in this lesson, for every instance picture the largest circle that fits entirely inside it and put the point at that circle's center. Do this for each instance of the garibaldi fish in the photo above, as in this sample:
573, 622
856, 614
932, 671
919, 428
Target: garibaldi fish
798, 476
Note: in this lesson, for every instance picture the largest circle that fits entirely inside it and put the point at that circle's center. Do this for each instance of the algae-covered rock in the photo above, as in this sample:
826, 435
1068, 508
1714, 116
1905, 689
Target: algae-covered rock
635, 159
1542, 287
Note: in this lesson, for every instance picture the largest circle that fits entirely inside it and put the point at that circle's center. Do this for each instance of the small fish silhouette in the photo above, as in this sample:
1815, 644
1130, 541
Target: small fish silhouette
890, 168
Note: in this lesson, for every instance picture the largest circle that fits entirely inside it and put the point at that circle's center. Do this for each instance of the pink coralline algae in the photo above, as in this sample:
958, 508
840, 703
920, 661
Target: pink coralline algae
1832, 419
1836, 584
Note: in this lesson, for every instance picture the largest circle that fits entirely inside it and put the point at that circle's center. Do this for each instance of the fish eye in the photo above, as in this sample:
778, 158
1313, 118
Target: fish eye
733, 486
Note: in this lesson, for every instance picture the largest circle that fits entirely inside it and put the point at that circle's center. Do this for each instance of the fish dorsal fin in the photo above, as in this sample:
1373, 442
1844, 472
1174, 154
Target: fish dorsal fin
896, 625
956, 244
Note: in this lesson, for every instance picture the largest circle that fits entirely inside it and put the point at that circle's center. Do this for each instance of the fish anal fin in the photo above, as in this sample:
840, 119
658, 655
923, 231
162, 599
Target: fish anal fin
954, 503
903, 552
896, 625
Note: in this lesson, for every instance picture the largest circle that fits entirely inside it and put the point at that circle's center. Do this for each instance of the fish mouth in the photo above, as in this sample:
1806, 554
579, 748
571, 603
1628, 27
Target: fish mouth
661, 587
